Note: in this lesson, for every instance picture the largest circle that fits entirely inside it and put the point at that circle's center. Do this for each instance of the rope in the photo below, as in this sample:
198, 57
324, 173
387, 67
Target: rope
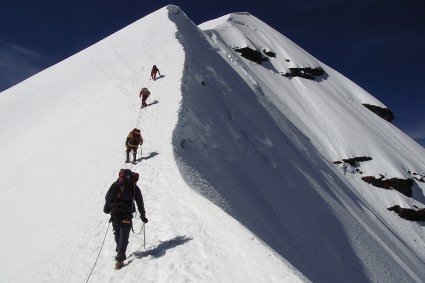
141, 229
109, 224
144, 235
94, 265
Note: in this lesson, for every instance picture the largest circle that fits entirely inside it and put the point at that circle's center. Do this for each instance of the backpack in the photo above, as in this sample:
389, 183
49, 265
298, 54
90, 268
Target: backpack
134, 138
120, 198
126, 175
145, 92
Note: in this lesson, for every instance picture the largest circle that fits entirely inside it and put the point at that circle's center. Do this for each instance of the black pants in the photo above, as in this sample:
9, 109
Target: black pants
129, 149
121, 232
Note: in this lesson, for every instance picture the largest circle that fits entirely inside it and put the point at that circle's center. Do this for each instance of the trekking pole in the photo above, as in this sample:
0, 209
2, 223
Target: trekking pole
144, 236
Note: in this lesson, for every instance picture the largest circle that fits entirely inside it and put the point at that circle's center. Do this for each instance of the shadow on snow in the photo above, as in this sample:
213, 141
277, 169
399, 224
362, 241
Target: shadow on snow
162, 248
151, 155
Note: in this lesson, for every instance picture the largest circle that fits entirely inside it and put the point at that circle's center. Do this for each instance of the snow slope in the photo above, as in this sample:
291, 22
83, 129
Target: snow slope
236, 171
62, 144
267, 150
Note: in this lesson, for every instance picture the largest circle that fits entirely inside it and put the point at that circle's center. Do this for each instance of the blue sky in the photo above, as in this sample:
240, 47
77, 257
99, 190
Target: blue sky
380, 45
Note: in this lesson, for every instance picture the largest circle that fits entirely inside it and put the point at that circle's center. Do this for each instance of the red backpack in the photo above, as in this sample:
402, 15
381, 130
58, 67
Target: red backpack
144, 92
126, 175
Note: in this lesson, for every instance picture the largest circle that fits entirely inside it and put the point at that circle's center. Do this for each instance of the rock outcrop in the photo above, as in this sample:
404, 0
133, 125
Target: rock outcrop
409, 214
384, 113
403, 186
251, 54
306, 73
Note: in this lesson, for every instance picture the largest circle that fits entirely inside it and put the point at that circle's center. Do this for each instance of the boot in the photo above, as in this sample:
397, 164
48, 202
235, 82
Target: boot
134, 158
119, 265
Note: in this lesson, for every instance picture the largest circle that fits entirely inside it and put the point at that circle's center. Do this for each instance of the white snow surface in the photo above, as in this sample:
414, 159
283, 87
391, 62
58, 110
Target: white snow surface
237, 168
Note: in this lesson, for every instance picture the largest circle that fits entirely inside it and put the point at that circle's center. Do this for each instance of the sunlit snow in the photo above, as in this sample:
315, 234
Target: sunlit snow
237, 168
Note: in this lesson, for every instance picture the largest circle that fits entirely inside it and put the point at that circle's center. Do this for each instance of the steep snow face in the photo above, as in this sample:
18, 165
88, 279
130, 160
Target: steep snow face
62, 135
257, 144
261, 146
240, 30
328, 110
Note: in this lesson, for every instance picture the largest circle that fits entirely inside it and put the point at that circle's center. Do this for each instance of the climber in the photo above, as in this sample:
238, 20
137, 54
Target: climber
119, 203
134, 139
154, 71
144, 94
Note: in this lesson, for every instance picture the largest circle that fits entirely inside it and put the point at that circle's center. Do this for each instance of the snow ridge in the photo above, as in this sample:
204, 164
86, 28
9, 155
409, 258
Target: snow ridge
237, 168
268, 146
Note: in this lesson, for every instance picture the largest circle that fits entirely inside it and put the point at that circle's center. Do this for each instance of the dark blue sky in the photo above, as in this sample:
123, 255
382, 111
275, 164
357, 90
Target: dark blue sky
378, 44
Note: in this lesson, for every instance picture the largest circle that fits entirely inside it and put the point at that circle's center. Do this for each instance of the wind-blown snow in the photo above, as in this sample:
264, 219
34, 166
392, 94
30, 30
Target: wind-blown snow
236, 171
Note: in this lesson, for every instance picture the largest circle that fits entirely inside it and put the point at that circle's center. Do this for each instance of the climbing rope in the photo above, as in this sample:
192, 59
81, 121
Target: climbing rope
141, 229
109, 224
94, 265
144, 235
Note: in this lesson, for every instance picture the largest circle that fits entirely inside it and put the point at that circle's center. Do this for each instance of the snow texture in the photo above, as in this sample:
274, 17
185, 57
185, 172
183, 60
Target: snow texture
237, 168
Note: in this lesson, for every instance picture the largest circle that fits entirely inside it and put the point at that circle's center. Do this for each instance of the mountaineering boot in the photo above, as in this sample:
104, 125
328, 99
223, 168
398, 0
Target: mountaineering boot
118, 265
127, 160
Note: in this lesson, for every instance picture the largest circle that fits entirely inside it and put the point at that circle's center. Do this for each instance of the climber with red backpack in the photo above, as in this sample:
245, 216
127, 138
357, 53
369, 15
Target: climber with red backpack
119, 203
144, 94
134, 139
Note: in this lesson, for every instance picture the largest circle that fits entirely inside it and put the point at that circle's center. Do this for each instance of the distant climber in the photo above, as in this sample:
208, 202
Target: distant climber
119, 203
134, 139
144, 94
154, 71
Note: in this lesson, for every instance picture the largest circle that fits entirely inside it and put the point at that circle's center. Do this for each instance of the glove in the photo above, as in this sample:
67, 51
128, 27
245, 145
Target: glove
107, 209
144, 219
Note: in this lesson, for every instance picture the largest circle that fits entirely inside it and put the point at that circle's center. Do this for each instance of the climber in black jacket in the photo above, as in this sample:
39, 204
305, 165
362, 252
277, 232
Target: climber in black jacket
120, 204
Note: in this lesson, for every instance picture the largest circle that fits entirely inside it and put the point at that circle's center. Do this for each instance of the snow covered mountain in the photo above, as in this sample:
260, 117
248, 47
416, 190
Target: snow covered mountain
260, 163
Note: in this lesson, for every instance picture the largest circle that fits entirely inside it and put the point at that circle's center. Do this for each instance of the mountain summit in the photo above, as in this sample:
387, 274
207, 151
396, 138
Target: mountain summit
259, 164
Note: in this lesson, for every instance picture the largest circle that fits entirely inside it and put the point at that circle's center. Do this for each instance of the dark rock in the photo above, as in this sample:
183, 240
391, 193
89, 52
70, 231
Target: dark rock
253, 55
353, 161
269, 53
384, 113
403, 186
409, 214
306, 73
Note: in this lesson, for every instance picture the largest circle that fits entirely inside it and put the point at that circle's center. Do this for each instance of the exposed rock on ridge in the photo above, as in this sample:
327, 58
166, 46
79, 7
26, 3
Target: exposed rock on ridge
384, 113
